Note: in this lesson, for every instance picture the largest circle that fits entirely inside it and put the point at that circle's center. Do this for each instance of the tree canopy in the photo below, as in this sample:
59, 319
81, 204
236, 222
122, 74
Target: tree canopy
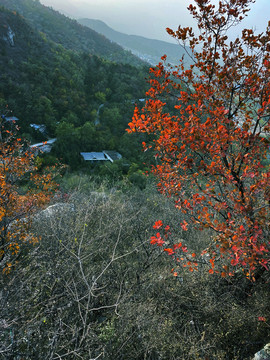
212, 147
18, 204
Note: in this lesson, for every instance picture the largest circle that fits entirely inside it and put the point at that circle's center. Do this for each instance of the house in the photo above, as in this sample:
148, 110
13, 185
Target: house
11, 118
135, 101
8, 119
45, 146
112, 155
40, 128
105, 155
94, 156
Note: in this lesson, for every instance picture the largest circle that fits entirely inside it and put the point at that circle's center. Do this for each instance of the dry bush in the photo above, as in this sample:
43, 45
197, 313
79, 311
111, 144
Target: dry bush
94, 288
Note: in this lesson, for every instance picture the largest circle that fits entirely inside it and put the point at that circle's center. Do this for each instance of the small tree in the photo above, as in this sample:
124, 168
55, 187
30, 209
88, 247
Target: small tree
211, 149
17, 202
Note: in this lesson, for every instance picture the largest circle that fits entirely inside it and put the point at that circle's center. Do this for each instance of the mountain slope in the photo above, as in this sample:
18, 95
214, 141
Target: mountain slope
67, 32
46, 84
147, 49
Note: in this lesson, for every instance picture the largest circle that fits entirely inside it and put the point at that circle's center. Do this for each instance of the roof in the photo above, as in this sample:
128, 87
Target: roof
43, 146
41, 128
105, 155
11, 118
112, 155
47, 142
94, 156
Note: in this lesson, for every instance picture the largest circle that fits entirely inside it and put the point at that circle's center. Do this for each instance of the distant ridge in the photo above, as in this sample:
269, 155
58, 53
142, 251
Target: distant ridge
54, 70
68, 33
147, 49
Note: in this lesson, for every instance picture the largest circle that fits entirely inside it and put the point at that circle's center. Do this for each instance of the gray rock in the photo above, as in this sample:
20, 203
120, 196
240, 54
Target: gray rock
55, 209
10, 36
263, 354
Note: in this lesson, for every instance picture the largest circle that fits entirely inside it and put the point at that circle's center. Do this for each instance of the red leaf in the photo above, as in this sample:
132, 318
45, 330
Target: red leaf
184, 225
158, 224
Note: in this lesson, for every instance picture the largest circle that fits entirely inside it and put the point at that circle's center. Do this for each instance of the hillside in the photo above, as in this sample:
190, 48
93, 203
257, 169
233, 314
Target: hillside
144, 244
44, 83
147, 49
68, 33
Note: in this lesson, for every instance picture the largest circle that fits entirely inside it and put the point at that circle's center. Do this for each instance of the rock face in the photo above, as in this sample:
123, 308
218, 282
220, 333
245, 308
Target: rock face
55, 210
263, 354
9, 36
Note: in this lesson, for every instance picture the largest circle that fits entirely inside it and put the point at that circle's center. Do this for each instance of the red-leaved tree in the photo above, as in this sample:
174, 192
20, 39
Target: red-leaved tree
23, 190
212, 146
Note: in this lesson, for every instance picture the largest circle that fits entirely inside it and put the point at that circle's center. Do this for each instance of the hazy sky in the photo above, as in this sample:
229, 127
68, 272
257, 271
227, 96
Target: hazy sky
148, 18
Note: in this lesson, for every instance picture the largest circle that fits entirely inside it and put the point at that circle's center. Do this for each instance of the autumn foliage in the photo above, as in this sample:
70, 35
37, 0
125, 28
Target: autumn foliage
17, 205
212, 145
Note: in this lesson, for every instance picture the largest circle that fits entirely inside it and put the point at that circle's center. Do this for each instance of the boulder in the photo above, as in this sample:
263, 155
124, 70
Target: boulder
263, 354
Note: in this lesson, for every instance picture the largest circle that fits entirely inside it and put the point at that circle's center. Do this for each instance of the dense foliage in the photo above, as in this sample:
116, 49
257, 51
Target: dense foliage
84, 100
